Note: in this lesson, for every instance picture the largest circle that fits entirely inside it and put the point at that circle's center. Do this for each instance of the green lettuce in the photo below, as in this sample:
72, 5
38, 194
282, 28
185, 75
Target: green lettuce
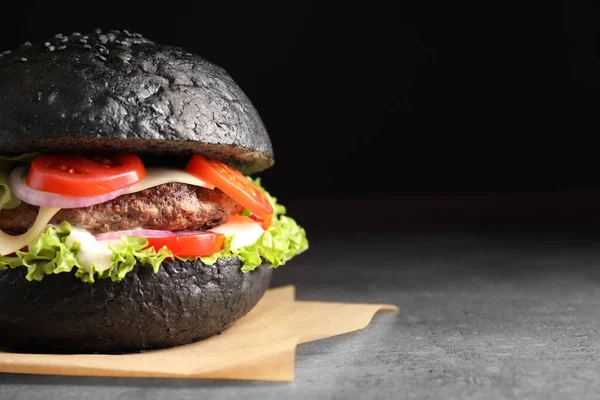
51, 253
7, 200
283, 240
7, 162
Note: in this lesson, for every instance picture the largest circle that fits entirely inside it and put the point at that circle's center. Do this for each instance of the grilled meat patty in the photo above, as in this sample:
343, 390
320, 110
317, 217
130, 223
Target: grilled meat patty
172, 207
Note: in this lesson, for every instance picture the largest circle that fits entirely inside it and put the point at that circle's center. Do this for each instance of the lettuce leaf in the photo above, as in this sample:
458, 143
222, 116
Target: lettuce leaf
283, 240
7, 162
7, 200
51, 254
126, 253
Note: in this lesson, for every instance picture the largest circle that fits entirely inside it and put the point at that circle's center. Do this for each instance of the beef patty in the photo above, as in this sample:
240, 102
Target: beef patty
172, 207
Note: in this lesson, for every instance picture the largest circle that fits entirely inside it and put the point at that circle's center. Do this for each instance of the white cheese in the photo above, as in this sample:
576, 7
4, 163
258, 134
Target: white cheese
160, 176
91, 251
244, 233
9, 244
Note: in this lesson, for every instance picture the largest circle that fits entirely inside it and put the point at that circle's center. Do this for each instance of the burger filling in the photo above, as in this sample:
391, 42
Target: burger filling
99, 216
171, 207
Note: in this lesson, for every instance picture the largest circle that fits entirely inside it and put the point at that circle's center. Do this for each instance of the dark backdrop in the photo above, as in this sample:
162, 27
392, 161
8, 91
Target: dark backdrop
369, 100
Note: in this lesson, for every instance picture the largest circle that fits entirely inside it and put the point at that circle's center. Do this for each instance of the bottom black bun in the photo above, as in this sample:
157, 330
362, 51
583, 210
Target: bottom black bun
183, 303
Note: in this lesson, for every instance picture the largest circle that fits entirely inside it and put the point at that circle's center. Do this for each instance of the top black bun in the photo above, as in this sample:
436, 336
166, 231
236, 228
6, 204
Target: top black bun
75, 91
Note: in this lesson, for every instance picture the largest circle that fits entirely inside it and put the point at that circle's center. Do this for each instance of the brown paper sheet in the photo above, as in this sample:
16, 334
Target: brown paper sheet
260, 346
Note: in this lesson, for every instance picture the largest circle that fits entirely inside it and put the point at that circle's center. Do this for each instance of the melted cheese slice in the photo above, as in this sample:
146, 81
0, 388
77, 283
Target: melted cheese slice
8, 243
244, 232
160, 176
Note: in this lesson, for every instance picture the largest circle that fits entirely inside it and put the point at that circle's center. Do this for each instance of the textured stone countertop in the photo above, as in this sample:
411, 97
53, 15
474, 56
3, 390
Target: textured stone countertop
482, 317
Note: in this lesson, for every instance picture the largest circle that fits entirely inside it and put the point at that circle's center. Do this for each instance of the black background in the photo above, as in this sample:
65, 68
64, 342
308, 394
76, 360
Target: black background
372, 99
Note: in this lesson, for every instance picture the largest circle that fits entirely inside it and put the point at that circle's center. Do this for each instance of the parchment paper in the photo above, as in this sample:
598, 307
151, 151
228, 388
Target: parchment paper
259, 346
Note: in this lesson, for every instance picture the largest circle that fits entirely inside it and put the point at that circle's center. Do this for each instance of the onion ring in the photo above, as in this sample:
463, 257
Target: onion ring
28, 195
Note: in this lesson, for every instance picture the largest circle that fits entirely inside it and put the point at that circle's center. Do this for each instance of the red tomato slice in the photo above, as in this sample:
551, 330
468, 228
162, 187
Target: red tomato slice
80, 176
190, 244
251, 219
264, 222
15, 254
234, 184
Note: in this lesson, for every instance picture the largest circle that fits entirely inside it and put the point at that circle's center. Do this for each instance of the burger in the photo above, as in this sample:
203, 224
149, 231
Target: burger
131, 214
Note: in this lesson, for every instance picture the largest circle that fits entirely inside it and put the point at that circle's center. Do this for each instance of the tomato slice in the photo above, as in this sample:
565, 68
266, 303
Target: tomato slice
190, 244
250, 219
74, 175
265, 223
234, 184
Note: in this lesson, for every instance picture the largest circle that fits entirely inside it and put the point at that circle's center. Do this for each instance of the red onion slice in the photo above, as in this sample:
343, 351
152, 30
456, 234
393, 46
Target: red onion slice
147, 233
28, 195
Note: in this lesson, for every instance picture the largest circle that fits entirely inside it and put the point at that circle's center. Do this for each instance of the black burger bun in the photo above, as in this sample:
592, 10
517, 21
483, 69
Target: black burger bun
182, 303
119, 91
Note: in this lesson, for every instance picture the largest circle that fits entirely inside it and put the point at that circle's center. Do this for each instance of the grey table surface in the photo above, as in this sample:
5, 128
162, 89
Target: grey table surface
482, 317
